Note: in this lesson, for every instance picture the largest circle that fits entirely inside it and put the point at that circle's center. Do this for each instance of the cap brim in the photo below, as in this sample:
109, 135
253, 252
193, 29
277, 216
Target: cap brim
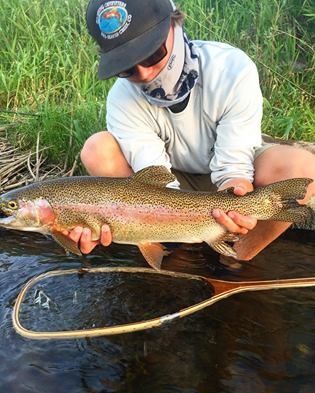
134, 51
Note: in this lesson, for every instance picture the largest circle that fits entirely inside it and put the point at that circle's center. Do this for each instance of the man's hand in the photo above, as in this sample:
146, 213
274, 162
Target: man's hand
233, 221
82, 236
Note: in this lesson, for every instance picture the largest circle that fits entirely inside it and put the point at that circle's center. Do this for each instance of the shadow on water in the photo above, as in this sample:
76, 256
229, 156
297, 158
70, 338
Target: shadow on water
252, 342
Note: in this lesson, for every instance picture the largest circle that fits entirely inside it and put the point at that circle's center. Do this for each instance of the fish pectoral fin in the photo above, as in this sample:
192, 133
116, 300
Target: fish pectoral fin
223, 248
68, 244
153, 253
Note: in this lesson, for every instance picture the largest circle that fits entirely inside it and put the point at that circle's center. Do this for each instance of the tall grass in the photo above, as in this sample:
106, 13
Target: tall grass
48, 68
48, 65
279, 35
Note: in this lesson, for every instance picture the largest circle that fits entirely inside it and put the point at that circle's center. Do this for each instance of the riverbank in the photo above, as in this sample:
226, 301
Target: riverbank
48, 73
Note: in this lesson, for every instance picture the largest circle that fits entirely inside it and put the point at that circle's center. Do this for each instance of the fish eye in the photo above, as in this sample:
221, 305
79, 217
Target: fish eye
12, 205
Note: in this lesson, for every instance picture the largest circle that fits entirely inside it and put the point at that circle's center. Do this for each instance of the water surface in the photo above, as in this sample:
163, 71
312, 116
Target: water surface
255, 342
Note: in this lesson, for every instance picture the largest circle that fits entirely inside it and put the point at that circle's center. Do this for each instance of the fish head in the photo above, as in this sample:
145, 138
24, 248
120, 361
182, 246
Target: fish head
25, 214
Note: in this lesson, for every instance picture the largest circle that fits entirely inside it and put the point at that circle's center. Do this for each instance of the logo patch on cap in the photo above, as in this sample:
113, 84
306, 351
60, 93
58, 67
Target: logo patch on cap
113, 19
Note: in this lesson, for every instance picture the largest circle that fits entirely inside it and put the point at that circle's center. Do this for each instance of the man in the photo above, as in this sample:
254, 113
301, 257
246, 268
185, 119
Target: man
193, 106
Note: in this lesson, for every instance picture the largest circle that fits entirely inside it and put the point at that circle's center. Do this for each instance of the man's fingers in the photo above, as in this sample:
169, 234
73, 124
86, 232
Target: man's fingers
227, 222
75, 234
247, 222
239, 190
83, 237
86, 243
106, 235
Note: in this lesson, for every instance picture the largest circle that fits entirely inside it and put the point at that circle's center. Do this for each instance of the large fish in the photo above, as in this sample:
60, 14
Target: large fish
141, 210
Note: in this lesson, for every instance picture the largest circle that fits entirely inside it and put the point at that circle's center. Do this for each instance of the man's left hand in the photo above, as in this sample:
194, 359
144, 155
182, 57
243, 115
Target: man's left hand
233, 221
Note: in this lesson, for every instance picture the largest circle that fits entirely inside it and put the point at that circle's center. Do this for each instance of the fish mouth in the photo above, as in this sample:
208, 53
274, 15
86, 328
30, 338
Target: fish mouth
6, 220
2, 214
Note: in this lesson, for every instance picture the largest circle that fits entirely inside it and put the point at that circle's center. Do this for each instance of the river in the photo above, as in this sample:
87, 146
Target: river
251, 342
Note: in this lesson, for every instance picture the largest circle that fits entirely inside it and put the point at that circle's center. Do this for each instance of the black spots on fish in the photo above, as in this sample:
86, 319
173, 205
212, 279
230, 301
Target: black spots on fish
289, 204
301, 216
154, 175
289, 189
308, 221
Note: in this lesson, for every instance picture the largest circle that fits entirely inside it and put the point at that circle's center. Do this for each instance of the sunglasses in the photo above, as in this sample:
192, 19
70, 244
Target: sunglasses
150, 61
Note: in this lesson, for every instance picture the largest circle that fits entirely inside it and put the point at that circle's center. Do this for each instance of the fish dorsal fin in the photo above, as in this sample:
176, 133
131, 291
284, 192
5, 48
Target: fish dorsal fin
155, 175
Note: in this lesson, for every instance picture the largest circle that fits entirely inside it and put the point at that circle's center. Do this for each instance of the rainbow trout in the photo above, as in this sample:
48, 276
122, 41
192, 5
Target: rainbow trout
141, 210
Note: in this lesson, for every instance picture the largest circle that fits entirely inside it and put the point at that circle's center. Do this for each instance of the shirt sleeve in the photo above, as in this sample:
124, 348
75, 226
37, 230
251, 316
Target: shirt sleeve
238, 131
130, 119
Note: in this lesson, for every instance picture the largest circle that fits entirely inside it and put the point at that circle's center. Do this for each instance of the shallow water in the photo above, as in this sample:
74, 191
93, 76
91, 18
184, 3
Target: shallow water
255, 342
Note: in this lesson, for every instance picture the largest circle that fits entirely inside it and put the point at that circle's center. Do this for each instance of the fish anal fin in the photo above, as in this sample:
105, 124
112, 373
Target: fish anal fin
153, 253
155, 175
223, 248
68, 244
230, 237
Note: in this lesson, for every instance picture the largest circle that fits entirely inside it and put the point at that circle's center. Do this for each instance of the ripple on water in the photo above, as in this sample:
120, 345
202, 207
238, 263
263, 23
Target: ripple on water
262, 342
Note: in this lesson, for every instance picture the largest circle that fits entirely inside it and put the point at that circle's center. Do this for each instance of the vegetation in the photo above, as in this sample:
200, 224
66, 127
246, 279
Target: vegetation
48, 68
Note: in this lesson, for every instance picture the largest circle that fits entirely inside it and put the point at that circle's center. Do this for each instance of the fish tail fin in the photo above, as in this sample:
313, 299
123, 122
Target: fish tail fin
302, 216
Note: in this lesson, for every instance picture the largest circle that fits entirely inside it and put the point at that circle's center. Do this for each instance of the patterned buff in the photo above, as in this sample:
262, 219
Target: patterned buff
178, 77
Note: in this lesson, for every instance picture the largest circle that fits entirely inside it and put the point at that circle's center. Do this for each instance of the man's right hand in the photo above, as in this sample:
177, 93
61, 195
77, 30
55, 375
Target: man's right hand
82, 236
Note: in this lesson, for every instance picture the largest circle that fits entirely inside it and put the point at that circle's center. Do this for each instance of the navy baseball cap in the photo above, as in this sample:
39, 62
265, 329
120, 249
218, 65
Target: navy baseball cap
127, 31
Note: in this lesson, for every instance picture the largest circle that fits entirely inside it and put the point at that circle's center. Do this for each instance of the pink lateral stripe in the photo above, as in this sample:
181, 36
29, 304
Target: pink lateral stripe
125, 213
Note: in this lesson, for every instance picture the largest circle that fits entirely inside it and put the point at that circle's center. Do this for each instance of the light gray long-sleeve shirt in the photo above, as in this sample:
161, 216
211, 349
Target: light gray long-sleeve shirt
216, 133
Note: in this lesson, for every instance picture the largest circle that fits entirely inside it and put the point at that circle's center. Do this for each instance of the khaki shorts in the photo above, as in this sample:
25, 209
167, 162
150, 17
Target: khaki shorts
195, 182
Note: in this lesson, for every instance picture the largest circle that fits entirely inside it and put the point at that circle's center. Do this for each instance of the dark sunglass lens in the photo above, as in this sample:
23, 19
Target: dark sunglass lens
150, 61
155, 58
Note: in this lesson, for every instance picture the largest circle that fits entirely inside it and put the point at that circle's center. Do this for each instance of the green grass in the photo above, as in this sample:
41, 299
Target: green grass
48, 66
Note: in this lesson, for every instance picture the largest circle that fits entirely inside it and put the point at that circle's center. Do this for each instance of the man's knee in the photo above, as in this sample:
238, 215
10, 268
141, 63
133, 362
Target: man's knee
98, 153
283, 162
101, 155
94, 148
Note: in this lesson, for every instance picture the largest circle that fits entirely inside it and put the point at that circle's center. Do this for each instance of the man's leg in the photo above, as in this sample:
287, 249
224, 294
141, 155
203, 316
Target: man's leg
277, 163
101, 155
